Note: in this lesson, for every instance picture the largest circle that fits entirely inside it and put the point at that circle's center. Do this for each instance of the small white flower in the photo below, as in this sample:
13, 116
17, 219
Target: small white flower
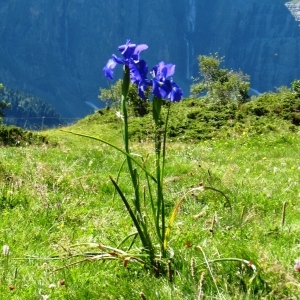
52, 286
6, 250
275, 169
297, 265
247, 170
119, 115
45, 297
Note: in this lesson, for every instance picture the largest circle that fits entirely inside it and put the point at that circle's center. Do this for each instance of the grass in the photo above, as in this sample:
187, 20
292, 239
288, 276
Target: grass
57, 198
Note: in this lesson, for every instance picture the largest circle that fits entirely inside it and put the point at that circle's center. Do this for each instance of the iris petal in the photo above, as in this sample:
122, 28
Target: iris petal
118, 60
169, 70
128, 49
135, 76
162, 71
108, 69
163, 87
140, 48
176, 93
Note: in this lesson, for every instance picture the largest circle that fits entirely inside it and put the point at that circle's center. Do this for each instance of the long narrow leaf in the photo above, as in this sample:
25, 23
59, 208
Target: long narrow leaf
118, 176
146, 242
113, 146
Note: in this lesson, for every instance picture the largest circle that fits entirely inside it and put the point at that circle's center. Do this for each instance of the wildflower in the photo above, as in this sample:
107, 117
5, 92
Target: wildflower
130, 52
119, 115
45, 297
5, 250
52, 286
162, 86
138, 76
45, 265
137, 67
297, 265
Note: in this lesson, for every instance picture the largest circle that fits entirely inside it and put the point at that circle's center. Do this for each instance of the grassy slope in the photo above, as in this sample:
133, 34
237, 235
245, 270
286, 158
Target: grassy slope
56, 197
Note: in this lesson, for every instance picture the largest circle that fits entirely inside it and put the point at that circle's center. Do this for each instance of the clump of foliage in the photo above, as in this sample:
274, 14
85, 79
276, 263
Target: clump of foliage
285, 105
3, 104
296, 87
199, 119
220, 84
220, 106
16, 136
28, 111
136, 105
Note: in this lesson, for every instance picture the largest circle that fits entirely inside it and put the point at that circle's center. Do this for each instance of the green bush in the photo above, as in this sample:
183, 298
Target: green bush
15, 136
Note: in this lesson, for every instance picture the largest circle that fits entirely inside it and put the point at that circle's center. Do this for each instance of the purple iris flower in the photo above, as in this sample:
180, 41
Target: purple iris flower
138, 76
162, 86
131, 57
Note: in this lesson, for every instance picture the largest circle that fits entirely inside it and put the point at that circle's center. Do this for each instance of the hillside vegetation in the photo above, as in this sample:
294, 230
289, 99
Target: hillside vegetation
57, 204
213, 215
27, 111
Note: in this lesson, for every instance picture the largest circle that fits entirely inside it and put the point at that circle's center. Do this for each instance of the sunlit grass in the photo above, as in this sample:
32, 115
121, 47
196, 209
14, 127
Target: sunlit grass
55, 198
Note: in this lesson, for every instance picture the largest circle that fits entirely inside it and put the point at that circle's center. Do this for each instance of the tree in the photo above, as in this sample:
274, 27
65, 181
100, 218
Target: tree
3, 104
26, 110
220, 84
112, 98
296, 87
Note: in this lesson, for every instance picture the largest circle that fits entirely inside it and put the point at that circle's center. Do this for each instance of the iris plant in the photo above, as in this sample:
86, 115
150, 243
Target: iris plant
151, 228
163, 87
147, 185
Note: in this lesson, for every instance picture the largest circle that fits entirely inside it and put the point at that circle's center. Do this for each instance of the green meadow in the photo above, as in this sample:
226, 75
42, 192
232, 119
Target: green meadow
236, 236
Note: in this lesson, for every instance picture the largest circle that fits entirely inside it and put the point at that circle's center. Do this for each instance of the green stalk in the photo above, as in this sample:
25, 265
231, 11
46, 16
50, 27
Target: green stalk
125, 89
160, 213
164, 248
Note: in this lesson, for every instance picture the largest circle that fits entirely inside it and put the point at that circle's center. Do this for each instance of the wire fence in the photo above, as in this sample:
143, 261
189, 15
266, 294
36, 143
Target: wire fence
39, 123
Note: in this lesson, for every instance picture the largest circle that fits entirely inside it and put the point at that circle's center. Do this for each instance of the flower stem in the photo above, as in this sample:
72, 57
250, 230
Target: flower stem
160, 213
133, 174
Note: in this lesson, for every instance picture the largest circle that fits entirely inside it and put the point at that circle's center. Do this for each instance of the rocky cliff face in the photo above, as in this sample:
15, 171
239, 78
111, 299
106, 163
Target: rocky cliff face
56, 49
